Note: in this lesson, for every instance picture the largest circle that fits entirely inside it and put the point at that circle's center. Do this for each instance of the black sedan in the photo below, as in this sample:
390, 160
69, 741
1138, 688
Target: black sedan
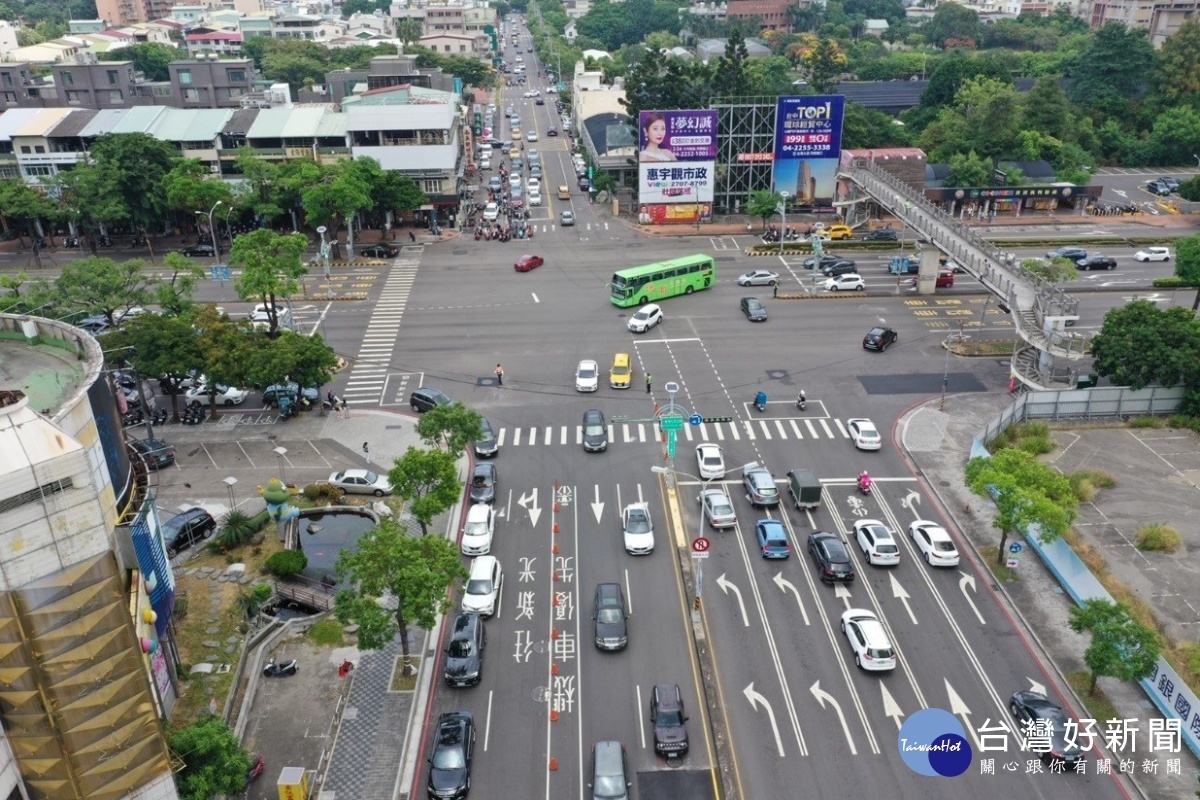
879, 339
1029, 707
453, 751
881, 235
753, 309
831, 557
198, 251
379, 251
155, 452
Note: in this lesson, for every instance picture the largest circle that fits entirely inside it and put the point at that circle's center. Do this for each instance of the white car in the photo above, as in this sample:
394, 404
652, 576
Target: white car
491, 212
877, 542
531, 136
868, 640
535, 198
361, 481
646, 318
482, 592
638, 529
710, 461
935, 544
478, 530
261, 312
759, 277
587, 376
226, 395
485, 164
514, 180
534, 185
1153, 254
864, 434
851, 281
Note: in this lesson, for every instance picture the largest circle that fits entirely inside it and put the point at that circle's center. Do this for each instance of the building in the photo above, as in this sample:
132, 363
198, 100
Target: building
384, 72
8, 39
465, 45
1161, 18
601, 125
772, 15
81, 698
219, 43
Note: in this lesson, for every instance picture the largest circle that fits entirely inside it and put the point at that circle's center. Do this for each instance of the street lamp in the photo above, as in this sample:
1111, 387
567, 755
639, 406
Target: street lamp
212, 230
782, 209
229, 484
281, 452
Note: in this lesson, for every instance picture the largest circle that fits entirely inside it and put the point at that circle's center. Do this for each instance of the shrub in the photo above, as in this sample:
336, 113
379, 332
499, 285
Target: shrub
286, 563
1145, 422
1085, 483
236, 529
320, 493
327, 632
1157, 536
251, 602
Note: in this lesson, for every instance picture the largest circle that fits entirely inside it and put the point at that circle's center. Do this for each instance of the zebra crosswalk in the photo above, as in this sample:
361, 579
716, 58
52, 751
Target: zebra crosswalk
800, 428
371, 368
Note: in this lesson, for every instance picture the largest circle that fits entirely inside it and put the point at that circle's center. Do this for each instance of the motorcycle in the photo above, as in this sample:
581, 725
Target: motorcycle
864, 483
528, 231
274, 670
801, 401
520, 233
760, 401
159, 417
478, 234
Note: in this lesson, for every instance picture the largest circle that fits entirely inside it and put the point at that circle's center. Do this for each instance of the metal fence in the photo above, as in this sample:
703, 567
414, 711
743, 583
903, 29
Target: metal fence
1104, 402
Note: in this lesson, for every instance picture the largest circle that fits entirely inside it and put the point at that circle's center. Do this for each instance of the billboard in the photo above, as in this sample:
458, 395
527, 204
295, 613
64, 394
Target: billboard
677, 154
808, 143
154, 564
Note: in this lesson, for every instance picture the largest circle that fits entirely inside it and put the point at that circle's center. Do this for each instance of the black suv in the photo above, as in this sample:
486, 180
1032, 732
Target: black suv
831, 557
380, 251
425, 398
464, 654
453, 751
843, 266
1096, 262
155, 452
483, 483
611, 629
879, 339
666, 715
183, 530
881, 235
825, 260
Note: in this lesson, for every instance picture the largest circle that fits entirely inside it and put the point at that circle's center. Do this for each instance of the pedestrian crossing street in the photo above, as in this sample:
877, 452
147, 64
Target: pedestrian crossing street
369, 373
800, 428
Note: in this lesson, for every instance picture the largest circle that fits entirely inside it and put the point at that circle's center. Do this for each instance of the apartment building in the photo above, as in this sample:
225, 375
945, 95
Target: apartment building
1160, 18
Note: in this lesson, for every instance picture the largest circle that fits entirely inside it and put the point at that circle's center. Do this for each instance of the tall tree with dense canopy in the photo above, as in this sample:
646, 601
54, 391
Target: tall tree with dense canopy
1175, 80
824, 64
213, 759
953, 24
1025, 492
152, 59
1112, 67
1121, 647
730, 78
138, 165
271, 268
103, 286
1140, 344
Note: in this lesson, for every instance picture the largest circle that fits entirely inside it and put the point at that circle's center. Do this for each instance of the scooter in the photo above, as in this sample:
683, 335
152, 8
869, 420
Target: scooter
478, 234
273, 670
801, 401
864, 484
528, 231
760, 401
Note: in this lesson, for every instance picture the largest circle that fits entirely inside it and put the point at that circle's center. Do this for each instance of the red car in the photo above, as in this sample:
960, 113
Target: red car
526, 263
945, 278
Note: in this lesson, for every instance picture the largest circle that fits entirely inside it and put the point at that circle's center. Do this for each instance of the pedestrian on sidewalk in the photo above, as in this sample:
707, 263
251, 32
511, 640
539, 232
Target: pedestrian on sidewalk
367, 452
499, 375
344, 408
329, 396
649, 382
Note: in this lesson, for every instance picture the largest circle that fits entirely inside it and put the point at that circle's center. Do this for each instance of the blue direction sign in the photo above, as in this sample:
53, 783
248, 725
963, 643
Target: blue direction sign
695, 419
1015, 548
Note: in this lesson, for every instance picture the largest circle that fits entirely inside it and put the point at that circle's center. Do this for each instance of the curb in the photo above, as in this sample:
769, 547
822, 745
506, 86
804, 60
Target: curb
825, 295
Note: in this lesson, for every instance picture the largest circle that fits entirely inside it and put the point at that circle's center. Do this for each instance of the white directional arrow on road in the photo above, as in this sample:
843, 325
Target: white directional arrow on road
969, 581
959, 709
784, 584
597, 506
911, 500
890, 707
840, 591
529, 502
756, 700
901, 594
824, 697
725, 587
1034, 686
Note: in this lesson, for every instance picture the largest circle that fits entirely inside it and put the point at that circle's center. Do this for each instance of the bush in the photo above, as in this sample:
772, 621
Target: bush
327, 632
236, 529
1038, 447
286, 563
1146, 422
1157, 536
321, 493
1085, 483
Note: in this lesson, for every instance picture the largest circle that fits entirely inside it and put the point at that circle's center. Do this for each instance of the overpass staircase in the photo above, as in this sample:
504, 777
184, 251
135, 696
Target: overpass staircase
1049, 355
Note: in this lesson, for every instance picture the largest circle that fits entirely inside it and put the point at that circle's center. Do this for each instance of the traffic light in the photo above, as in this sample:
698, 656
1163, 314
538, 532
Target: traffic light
718, 419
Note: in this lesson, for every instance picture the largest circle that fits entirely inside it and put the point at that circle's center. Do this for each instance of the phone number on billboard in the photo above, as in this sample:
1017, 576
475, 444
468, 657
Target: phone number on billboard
808, 138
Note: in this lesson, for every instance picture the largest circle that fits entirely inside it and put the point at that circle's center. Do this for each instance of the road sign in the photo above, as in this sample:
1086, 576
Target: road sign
1013, 563
1014, 548
671, 444
695, 419
700, 546
671, 423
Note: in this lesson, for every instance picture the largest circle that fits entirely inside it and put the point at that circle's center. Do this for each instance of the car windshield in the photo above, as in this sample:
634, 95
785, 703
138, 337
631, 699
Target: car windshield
642, 315
476, 528
620, 370
587, 372
481, 481
479, 586
670, 719
448, 758
637, 522
608, 616
461, 648
722, 509
593, 429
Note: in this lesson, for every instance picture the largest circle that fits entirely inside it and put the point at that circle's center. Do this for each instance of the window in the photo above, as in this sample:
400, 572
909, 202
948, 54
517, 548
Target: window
114, 96
25, 149
75, 98
185, 76
39, 171
113, 76
7, 78
191, 95
68, 78
431, 186
236, 76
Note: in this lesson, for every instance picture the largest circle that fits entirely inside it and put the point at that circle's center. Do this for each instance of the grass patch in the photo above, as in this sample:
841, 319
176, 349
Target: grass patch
1032, 437
1158, 537
983, 347
1000, 572
402, 682
327, 633
1087, 482
1147, 422
1096, 705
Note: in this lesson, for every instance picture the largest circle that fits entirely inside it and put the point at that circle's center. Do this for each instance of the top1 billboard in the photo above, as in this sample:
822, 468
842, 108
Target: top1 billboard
677, 136
809, 126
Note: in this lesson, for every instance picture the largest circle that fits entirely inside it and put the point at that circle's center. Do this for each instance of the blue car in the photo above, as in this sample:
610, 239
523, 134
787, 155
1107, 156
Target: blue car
772, 539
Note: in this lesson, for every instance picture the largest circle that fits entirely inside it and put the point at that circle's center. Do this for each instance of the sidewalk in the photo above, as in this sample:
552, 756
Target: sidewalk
937, 445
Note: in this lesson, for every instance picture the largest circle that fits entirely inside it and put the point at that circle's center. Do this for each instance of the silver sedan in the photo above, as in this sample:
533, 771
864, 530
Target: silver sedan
759, 277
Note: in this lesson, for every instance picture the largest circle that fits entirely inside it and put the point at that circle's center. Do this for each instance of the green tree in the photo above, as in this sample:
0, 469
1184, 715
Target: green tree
409, 30
343, 191
1140, 344
969, 170
191, 187
427, 481
955, 24
395, 580
771, 76
1189, 190
160, 346
864, 128
87, 200
20, 201
984, 118
952, 72
730, 78
138, 164
174, 294
1026, 492
453, 426
1111, 68
1175, 79
306, 360
1045, 109
823, 65
1121, 647
103, 286
763, 204
213, 759
152, 59
1174, 137
1053, 270
271, 268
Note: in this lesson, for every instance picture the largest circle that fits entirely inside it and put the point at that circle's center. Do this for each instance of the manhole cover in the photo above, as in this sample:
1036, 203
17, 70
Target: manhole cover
777, 374
487, 381
540, 694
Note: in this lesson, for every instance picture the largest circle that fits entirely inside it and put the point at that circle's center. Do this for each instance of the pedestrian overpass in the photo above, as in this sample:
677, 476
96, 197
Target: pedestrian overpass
1042, 313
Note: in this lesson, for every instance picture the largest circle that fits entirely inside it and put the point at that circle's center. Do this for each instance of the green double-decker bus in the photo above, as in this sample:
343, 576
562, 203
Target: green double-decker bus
637, 286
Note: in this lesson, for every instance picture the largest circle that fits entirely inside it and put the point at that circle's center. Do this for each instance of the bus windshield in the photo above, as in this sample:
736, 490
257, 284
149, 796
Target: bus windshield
651, 283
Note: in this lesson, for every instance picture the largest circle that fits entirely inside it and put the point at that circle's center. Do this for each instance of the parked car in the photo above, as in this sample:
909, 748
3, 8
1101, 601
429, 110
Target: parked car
425, 398
478, 530
610, 617
361, 481
155, 452
384, 250
881, 235
185, 529
464, 653
271, 394
667, 719
481, 595
225, 395
483, 483
198, 251
1158, 188
487, 444
453, 752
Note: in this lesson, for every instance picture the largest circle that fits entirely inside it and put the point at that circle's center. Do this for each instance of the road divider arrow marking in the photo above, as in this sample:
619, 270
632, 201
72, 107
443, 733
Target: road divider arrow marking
960, 709
725, 587
529, 502
890, 707
1034, 686
597, 506
840, 591
899, 593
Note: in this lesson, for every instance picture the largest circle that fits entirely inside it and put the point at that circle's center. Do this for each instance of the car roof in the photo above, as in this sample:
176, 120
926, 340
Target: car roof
715, 493
608, 592
486, 468
593, 413
482, 566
